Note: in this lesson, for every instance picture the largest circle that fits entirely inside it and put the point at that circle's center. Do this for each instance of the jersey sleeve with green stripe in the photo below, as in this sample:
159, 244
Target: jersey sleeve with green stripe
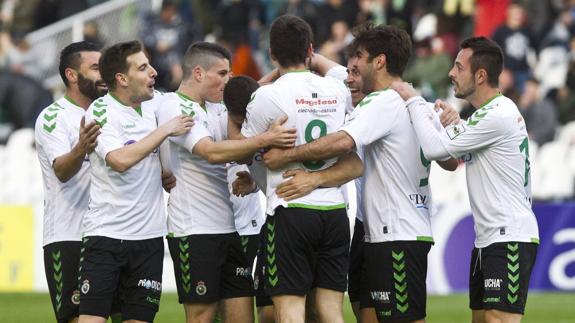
200, 202
493, 143
56, 133
127, 205
315, 106
396, 194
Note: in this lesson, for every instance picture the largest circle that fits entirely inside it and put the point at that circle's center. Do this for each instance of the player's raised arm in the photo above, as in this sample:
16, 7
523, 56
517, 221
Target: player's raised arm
232, 150
326, 147
124, 158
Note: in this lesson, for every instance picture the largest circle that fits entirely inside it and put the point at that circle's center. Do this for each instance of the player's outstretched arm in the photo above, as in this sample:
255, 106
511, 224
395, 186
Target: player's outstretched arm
239, 150
332, 145
301, 183
124, 158
67, 165
429, 137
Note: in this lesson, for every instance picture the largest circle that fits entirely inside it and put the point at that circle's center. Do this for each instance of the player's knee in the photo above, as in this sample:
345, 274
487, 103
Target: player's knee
200, 313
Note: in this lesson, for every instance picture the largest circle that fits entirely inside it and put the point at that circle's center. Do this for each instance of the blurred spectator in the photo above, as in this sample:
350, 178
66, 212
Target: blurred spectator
21, 99
400, 13
239, 23
489, 14
541, 14
330, 12
166, 37
19, 15
539, 113
334, 47
50, 11
21, 58
370, 10
515, 41
233, 18
203, 11
566, 95
507, 85
430, 69
92, 34
306, 10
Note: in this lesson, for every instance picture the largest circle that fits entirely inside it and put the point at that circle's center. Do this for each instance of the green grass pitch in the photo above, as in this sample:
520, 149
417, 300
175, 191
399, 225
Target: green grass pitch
541, 308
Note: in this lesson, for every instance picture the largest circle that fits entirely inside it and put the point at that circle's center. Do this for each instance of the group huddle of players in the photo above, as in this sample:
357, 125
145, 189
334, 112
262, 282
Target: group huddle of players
112, 142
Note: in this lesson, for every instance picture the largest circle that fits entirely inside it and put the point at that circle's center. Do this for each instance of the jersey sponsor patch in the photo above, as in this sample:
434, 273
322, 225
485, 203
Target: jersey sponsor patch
455, 130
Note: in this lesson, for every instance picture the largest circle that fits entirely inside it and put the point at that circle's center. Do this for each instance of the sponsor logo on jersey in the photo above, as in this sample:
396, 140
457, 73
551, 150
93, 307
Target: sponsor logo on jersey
493, 283
379, 296
150, 284
316, 104
129, 125
421, 201
243, 272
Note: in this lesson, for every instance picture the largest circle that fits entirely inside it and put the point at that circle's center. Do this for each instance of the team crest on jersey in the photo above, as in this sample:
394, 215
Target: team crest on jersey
85, 286
76, 297
201, 288
455, 130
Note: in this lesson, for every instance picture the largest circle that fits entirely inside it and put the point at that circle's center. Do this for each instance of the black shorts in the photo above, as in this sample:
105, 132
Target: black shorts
210, 267
305, 249
250, 246
262, 298
396, 273
61, 263
355, 262
499, 276
131, 267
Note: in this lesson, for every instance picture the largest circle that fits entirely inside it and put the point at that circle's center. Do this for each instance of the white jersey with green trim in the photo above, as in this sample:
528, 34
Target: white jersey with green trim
128, 205
396, 194
494, 145
56, 133
315, 106
249, 214
200, 202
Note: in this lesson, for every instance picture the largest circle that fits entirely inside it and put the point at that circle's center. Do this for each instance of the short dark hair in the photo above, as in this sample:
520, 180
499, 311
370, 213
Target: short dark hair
486, 55
391, 41
114, 60
238, 92
70, 57
290, 38
202, 54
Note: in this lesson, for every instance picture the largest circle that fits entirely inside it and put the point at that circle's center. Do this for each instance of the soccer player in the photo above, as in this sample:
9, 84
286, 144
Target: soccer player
397, 208
307, 240
63, 141
495, 147
123, 228
209, 261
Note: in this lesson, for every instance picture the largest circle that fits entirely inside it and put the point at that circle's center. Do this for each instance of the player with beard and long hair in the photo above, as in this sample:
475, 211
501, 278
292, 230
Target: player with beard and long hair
63, 141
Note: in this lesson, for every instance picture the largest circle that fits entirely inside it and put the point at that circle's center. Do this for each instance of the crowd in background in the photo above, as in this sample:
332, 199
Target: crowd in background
537, 37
